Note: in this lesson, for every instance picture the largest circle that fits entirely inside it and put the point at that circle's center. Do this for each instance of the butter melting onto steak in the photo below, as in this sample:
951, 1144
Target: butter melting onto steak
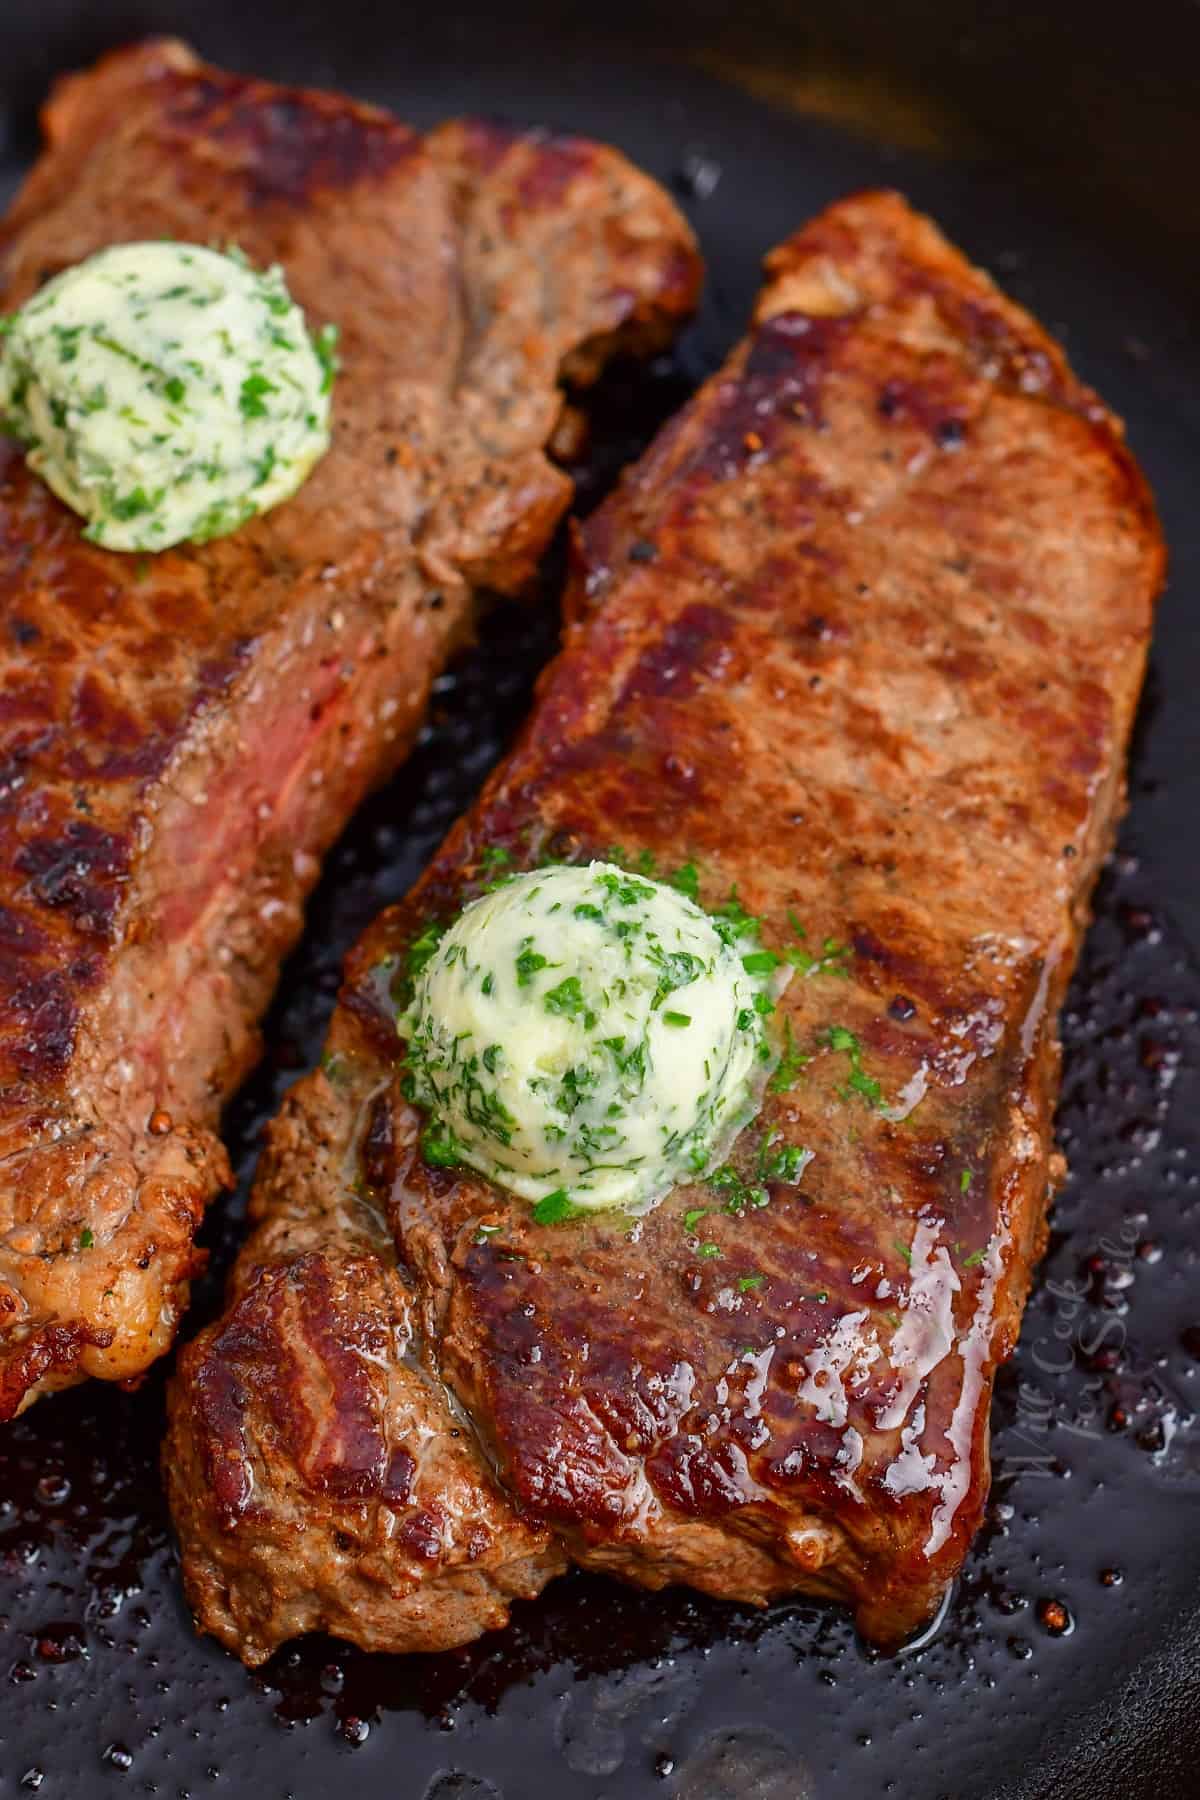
862, 635
182, 736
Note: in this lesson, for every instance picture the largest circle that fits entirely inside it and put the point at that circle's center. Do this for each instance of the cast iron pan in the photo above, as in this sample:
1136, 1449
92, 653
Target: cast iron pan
1064, 157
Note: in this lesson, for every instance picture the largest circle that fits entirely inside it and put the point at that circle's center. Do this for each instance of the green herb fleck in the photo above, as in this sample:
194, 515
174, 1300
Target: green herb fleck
86, 1238
739, 1194
791, 1063
133, 504
760, 962
251, 396
420, 950
493, 858
786, 1164
677, 1018
687, 880
677, 969
439, 1146
325, 345
733, 922
832, 959
529, 962
221, 518
567, 1000
556, 1209
845, 1043
334, 1068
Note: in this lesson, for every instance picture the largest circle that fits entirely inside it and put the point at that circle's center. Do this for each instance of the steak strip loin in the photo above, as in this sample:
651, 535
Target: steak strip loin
182, 736
861, 636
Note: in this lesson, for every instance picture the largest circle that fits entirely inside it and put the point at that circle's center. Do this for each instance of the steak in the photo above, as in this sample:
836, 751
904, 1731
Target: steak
859, 642
183, 736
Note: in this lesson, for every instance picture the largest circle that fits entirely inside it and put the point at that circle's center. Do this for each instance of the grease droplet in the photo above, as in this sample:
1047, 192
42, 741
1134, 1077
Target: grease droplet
1055, 1618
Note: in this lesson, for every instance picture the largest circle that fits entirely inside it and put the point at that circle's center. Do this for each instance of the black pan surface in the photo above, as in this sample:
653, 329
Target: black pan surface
1069, 1659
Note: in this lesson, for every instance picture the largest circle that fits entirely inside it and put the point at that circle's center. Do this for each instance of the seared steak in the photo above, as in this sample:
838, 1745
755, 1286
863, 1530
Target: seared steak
861, 637
181, 737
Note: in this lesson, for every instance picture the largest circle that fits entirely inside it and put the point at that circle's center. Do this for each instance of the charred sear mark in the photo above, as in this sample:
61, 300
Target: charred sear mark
78, 872
55, 1346
1002, 352
19, 936
378, 1149
546, 170
111, 742
422, 1535
297, 142
932, 405
782, 380
698, 1479
553, 166
224, 1374
38, 1018
108, 741
297, 1318
692, 647
13, 770
885, 967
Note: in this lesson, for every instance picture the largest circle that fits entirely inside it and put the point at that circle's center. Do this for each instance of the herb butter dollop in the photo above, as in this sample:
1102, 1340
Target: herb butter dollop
166, 392
588, 1036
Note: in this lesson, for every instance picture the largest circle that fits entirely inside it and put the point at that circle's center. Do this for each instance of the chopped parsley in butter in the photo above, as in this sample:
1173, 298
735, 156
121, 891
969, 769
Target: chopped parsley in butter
166, 392
588, 1038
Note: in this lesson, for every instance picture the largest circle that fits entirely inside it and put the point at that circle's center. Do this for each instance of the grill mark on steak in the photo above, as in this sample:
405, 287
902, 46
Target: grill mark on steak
302, 1327
294, 143
881, 675
182, 736
692, 646
77, 873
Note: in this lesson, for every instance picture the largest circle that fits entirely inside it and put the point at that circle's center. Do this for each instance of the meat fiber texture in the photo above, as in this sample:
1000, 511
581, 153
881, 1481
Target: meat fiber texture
861, 638
182, 736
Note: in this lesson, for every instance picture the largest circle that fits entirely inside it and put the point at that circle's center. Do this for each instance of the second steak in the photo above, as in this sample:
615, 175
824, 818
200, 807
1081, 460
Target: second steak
856, 647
